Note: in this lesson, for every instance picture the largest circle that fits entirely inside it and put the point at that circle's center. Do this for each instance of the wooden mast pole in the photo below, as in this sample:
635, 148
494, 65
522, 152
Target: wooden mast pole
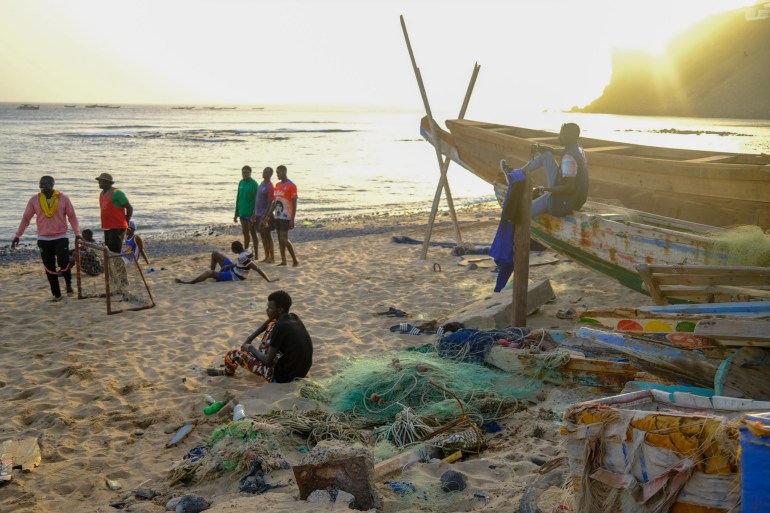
443, 183
521, 258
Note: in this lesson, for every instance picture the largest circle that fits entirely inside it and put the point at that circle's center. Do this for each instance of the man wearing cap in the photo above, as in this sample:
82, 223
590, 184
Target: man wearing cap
116, 213
51, 209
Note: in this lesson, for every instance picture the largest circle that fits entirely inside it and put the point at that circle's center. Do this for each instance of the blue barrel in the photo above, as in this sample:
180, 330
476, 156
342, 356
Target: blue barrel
755, 467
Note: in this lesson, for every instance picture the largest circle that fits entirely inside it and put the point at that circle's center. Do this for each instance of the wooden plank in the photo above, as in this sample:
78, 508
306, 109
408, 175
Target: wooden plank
712, 158
724, 270
758, 293
735, 279
651, 285
521, 243
397, 463
733, 329
748, 373
606, 148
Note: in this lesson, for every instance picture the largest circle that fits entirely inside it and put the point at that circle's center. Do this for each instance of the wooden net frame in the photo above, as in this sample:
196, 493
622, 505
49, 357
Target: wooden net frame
109, 258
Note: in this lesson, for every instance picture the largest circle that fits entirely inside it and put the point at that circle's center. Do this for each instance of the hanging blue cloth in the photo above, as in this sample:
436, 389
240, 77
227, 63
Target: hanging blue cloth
502, 245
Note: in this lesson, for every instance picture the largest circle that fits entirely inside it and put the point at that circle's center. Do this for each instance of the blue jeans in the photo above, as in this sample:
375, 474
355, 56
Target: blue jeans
545, 160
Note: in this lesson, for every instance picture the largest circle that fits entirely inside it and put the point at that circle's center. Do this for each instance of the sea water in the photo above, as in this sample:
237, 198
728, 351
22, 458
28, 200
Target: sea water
180, 167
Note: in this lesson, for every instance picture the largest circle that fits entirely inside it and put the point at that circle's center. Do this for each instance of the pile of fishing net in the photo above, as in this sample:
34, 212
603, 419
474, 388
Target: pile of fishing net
424, 388
234, 446
745, 245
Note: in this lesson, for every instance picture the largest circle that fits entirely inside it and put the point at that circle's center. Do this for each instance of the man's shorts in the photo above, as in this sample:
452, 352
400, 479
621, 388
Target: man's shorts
227, 275
282, 225
245, 218
270, 222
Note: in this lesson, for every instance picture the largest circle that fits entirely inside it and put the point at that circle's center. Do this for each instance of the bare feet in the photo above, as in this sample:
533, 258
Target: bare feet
295, 264
282, 263
177, 280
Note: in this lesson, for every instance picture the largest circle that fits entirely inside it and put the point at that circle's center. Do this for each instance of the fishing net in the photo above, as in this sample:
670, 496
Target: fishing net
234, 446
373, 391
745, 245
119, 278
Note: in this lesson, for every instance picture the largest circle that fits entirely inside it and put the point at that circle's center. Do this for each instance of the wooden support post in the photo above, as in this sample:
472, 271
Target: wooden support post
443, 164
521, 258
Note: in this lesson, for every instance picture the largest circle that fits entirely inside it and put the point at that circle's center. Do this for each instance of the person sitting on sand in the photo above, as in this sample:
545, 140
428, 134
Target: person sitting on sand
286, 351
90, 262
228, 270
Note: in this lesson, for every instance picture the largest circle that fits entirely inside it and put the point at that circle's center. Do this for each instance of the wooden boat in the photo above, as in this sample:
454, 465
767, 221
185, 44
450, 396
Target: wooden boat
558, 357
617, 241
27, 106
741, 373
713, 188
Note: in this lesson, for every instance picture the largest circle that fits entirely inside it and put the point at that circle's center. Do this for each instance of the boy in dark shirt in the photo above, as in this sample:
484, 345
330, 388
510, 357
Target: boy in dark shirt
286, 351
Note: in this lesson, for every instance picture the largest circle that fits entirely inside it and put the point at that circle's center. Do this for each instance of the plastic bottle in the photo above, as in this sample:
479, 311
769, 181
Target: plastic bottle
213, 408
209, 399
238, 412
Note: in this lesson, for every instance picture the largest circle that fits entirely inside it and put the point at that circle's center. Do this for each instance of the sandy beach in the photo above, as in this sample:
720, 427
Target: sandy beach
105, 394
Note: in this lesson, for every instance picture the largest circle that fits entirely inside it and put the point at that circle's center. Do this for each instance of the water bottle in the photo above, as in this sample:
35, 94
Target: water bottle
238, 412
214, 407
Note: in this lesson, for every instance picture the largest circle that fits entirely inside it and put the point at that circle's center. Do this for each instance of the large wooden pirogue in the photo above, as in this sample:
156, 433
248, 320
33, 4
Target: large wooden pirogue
713, 188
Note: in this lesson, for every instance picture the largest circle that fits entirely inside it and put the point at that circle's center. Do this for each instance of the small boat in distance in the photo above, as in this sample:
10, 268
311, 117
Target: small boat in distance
182, 108
70, 106
27, 106
712, 188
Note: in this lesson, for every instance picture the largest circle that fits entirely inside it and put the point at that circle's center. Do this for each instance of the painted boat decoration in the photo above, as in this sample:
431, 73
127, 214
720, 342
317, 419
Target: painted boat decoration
671, 319
713, 188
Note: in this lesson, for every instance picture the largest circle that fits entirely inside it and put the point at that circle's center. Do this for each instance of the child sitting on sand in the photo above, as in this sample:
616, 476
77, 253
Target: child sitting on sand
90, 262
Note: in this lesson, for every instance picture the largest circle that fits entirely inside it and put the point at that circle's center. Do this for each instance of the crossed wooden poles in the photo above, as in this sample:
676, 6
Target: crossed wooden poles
522, 233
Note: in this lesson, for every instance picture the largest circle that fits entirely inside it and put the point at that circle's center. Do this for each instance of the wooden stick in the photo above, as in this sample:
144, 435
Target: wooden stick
443, 166
521, 258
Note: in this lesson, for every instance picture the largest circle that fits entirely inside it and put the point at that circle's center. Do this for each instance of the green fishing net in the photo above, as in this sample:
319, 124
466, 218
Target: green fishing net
745, 245
372, 391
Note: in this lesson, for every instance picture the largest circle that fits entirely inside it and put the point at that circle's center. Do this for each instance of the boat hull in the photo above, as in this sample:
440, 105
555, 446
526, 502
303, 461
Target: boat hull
718, 189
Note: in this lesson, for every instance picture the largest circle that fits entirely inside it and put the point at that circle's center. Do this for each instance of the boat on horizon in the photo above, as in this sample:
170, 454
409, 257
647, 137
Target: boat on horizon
70, 106
711, 188
26, 106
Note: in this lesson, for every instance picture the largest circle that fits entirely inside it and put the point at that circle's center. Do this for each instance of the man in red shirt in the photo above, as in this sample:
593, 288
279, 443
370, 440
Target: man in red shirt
116, 213
284, 208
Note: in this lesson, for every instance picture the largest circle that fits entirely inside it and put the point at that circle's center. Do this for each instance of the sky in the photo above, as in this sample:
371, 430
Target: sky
544, 54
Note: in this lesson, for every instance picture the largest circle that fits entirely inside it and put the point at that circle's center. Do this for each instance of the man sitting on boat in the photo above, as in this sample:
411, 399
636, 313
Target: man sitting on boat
567, 182
566, 191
